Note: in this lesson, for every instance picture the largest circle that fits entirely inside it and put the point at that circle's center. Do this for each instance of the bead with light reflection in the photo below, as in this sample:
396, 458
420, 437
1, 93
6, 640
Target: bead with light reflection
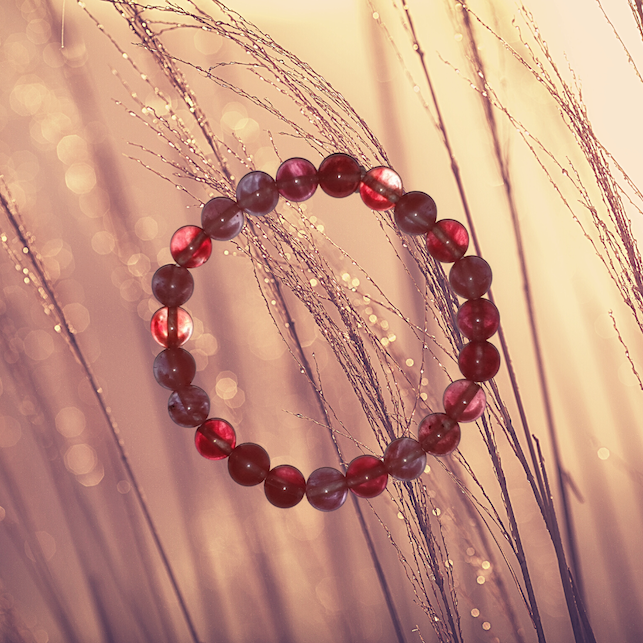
447, 241
190, 246
381, 188
470, 277
415, 213
284, 486
189, 406
478, 319
248, 464
439, 434
464, 401
405, 459
366, 476
339, 175
215, 439
222, 218
171, 327
257, 193
172, 285
174, 368
326, 489
297, 179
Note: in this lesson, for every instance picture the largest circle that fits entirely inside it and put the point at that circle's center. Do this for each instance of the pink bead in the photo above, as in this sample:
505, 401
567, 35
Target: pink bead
189, 406
439, 434
248, 464
464, 401
381, 188
326, 489
470, 277
415, 213
215, 439
257, 193
285, 486
172, 285
447, 241
171, 327
296, 179
405, 459
366, 476
222, 219
479, 361
174, 368
339, 175
478, 319
190, 246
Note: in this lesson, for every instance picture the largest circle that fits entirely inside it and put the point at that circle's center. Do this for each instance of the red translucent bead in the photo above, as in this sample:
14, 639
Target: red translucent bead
339, 175
285, 486
415, 213
215, 439
257, 193
405, 459
174, 368
447, 241
248, 464
296, 179
171, 327
478, 319
189, 406
479, 361
470, 277
381, 188
190, 246
439, 434
366, 476
464, 401
222, 219
172, 285
326, 489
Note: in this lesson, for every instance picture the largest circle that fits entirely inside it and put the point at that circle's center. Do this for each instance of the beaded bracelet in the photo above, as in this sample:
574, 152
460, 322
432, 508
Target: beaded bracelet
415, 213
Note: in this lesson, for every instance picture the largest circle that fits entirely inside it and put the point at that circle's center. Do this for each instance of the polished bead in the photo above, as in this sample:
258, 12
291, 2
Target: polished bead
339, 175
366, 476
326, 489
381, 188
447, 241
479, 361
296, 179
190, 246
189, 406
222, 218
171, 327
405, 459
248, 464
478, 319
415, 213
470, 277
439, 434
174, 368
257, 193
285, 486
172, 285
464, 401
215, 439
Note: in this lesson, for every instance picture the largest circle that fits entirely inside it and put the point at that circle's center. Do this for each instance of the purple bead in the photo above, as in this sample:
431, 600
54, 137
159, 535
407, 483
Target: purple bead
447, 241
326, 489
172, 285
339, 175
415, 213
464, 401
479, 361
366, 476
189, 406
439, 434
285, 486
174, 368
478, 319
215, 439
405, 459
248, 464
257, 193
297, 179
470, 277
381, 188
222, 219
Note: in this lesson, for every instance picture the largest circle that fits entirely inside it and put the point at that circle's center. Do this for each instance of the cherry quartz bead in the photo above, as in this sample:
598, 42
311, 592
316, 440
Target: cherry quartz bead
470, 277
415, 213
189, 406
222, 218
171, 327
248, 464
479, 361
339, 175
215, 439
464, 401
366, 476
172, 285
257, 193
326, 489
447, 241
285, 486
478, 319
297, 179
405, 459
190, 246
439, 434
174, 368
381, 188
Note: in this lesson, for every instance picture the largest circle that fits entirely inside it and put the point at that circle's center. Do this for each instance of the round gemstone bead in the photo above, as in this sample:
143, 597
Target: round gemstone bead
172, 285
215, 439
464, 401
189, 406
447, 241
297, 179
339, 175
326, 489
248, 464
381, 188
257, 193
190, 246
415, 213
174, 368
470, 277
439, 434
478, 319
366, 476
405, 459
479, 361
171, 327
285, 486
222, 219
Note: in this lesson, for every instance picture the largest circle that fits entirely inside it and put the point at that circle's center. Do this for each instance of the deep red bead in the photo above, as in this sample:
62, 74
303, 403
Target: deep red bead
405, 459
174, 368
339, 175
296, 179
415, 213
366, 476
381, 188
215, 439
248, 464
447, 241
189, 406
171, 327
172, 285
439, 434
257, 193
478, 319
470, 277
326, 489
479, 361
222, 218
464, 401
285, 486
190, 246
